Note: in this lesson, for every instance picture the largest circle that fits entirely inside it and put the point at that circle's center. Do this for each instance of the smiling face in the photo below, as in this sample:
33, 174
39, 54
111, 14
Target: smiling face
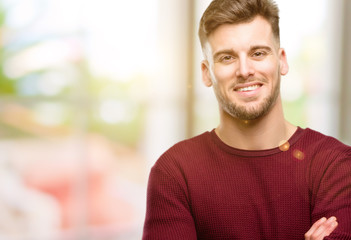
244, 64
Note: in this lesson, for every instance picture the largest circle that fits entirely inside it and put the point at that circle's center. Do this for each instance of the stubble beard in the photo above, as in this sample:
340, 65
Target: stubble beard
248, 112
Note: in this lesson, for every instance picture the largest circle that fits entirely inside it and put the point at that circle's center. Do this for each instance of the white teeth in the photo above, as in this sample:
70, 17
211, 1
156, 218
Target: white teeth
250, 88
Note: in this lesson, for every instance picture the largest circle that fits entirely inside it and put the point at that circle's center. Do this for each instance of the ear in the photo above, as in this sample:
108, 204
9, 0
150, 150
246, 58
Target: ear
284, 66
206, 76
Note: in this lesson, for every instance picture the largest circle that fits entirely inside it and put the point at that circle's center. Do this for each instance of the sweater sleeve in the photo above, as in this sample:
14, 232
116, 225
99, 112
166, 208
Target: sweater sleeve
168, 213
333, 197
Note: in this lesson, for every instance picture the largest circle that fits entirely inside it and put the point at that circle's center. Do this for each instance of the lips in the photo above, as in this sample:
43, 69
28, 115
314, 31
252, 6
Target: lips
247, 87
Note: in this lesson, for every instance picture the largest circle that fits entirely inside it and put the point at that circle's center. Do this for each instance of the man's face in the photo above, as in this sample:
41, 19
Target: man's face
244, 64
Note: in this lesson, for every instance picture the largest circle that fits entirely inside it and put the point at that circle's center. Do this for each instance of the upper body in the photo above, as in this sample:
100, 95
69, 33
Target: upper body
202, 188
243, 62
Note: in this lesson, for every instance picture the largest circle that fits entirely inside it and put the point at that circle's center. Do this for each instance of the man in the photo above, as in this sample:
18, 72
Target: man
255, 176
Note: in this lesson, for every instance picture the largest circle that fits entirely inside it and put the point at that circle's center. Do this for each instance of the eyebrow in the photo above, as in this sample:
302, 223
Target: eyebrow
231, 52
267, 48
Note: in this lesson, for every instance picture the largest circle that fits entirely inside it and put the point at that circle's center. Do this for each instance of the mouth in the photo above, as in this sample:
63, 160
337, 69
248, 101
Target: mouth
247, 88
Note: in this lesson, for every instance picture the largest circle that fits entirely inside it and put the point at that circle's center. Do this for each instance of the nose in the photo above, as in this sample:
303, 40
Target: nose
245, 68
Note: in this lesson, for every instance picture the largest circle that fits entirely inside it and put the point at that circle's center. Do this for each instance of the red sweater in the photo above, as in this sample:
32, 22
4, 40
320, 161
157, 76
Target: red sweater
202, 188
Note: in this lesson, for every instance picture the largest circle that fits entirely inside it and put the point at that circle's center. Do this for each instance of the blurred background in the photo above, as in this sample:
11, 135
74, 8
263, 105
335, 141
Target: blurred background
92, 92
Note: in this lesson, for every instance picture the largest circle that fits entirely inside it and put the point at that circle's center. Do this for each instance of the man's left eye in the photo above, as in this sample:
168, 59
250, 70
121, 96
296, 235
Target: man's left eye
259, 54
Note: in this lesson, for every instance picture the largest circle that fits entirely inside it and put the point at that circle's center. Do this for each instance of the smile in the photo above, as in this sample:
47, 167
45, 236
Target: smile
249, 88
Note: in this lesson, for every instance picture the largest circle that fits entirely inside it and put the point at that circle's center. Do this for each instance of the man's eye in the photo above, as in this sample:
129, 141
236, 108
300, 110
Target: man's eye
259, 54
226, 58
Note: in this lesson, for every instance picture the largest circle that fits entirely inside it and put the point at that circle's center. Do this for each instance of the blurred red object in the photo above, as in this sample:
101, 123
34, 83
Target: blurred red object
84, 185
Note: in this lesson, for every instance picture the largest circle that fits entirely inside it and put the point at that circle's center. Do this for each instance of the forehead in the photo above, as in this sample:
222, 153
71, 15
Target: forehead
242, 35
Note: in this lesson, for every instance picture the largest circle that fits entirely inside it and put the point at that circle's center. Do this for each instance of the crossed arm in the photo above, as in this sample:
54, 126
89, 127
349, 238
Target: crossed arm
322, 228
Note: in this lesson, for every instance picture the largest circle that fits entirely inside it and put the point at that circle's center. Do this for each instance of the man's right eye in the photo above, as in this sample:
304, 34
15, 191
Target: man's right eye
226, 58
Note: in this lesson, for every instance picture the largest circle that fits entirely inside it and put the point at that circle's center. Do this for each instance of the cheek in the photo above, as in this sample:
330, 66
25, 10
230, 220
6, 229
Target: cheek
270, 71
224, 73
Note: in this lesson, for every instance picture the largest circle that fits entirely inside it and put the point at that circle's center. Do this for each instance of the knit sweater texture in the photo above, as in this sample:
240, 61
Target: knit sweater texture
202, 188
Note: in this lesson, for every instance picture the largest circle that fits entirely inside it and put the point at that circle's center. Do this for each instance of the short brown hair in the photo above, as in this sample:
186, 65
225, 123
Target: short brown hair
221, 12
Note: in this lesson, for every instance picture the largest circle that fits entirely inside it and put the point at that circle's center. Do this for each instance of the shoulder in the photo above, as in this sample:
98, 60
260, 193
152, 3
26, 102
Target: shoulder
326, 146
322, 140
193, 144
185, 153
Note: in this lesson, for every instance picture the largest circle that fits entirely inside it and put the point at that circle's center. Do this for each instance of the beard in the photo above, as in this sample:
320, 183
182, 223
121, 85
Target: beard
243, 112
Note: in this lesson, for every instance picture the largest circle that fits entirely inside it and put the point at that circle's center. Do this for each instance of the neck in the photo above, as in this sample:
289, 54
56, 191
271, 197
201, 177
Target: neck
267, 132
